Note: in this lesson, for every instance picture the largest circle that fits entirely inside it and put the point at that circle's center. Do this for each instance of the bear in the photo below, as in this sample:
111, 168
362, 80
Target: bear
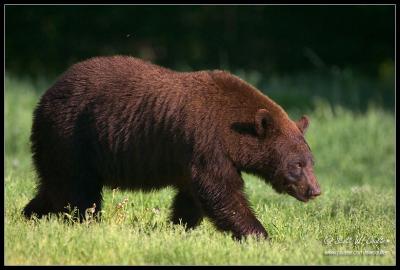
119, 121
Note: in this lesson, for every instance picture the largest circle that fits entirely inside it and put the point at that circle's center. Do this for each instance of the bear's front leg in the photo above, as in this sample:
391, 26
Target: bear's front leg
186, 209
220, 193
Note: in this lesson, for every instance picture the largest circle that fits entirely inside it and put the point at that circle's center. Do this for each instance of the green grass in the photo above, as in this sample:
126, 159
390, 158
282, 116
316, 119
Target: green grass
355, 165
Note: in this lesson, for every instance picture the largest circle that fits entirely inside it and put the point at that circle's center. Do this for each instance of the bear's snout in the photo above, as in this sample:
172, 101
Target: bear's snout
313, 192
303, 189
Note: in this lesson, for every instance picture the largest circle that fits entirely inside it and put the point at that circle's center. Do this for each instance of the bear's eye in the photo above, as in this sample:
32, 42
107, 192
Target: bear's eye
296, 169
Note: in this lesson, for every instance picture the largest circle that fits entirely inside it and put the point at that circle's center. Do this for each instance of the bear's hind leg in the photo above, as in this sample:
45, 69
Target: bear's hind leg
186, 210
86, 196
39, 206
66, 197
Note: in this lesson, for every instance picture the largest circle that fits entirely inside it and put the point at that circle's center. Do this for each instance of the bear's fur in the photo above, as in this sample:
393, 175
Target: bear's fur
123, 122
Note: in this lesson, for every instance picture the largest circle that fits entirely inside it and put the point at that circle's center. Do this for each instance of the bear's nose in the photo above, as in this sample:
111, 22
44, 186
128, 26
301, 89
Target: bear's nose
314, 192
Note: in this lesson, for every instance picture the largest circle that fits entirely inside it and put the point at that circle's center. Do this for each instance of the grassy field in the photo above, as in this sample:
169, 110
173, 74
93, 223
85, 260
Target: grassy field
353, 222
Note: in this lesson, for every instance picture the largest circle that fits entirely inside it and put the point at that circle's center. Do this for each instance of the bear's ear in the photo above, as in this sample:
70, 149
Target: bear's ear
262, 121
303, 124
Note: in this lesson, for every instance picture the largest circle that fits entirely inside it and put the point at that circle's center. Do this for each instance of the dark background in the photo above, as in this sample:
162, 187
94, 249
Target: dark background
273, 40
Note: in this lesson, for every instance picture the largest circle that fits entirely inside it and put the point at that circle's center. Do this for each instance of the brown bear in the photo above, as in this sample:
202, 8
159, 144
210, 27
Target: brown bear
123, 122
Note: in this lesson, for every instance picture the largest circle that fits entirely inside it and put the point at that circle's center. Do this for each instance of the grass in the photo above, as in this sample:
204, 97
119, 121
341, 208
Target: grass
355, 165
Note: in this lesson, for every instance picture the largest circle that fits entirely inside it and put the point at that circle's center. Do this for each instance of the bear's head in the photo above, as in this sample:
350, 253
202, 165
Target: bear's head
273, 147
